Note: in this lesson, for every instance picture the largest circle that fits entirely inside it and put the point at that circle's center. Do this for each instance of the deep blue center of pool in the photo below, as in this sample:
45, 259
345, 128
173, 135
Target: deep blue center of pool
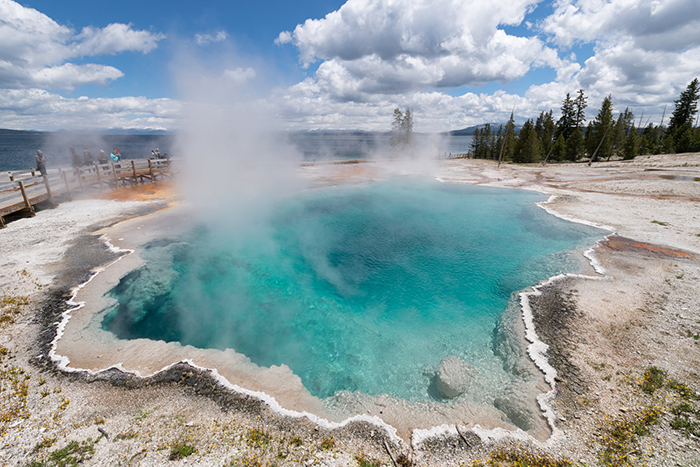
354, 288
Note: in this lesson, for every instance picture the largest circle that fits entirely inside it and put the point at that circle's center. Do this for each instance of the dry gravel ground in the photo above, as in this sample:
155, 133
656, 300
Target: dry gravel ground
605, 335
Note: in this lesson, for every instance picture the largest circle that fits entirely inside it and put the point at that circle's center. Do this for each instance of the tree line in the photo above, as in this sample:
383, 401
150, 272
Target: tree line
604, 137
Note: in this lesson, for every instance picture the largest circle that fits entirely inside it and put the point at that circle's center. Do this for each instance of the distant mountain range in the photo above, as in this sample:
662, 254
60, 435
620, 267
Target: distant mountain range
114, 131
468, 131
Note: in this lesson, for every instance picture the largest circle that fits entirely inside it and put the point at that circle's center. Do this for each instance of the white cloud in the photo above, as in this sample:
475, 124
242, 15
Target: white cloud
670, 25
115, 38
239, 76
43, 110
285, 37
385, 46
35, 50
205, 39
69, 76
645, 51
377, 54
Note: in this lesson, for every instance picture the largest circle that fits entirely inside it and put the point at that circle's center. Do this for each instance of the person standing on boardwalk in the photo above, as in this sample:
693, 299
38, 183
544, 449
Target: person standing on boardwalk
75, 159
87, 157
102, 157
41, 162
115, 155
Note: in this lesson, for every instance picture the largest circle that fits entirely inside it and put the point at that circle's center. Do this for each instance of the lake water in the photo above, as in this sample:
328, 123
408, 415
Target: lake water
17, 150
362, 288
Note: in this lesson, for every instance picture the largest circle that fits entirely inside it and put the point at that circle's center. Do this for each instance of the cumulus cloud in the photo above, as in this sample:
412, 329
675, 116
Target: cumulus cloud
670, 25
285, 37
378, 54
69, 76
35, 50
384, 46
44, 110
239, 75
115, 38
205, 39
645, 51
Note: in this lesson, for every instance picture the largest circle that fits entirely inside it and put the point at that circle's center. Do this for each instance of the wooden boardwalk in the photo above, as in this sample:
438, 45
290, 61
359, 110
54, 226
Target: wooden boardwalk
21, 190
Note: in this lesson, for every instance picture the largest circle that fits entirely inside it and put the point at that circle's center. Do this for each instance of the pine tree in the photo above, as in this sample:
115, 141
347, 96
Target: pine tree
476, 143
508, 144
631, 149
567, 121
397, 136
527, 146
402, 129
575, 145
680, 136
545, 130
602, 130
579, 109
621, 131
686, 107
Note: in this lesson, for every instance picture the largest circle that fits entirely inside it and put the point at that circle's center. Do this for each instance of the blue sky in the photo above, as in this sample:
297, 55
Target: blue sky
338, 65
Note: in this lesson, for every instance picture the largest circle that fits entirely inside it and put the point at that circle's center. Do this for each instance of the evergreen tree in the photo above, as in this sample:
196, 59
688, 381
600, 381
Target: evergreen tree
527, 146
486, 141
545, 128
575, 145
621, 131
559, 149
402, 129
508, 143
579, 109
476, 143
602, 131
686, 107
495, 140
631, 148
681, 136
567, 121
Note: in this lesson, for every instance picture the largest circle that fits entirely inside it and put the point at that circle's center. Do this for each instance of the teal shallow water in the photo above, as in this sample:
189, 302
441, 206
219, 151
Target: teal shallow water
355, 288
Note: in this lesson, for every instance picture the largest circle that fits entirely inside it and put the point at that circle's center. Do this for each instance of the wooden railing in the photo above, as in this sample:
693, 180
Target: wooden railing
22, 190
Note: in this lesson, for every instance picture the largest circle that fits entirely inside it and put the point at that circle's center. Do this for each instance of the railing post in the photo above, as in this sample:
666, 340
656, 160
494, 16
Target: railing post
33, 172
80, 180
150, 169
48, 191
12, 178
65, 180
99, 177
133, 169
116, 179
26, 199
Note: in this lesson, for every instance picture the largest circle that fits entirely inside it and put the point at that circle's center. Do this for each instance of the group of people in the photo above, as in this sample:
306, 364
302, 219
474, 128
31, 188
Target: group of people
88, 160
155, 154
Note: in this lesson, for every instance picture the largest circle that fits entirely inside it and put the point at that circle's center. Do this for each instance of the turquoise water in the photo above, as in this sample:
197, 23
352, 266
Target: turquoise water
356, 288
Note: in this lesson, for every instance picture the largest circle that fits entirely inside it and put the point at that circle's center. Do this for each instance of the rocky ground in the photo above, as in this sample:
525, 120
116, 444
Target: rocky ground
626, 346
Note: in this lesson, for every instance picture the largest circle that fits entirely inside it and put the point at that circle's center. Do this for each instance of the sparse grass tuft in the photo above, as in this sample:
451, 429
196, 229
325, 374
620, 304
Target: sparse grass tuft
46, 442
652, 379
363, 461
258, 438
328, 443
180, 451
71, 455
296, 441
10, 308
660, 223
525, 457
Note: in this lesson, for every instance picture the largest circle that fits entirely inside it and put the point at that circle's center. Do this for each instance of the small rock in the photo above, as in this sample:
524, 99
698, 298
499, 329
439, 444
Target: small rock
453, 376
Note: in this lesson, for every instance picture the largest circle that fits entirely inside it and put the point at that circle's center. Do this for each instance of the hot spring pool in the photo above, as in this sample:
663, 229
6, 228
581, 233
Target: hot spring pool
358, 288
